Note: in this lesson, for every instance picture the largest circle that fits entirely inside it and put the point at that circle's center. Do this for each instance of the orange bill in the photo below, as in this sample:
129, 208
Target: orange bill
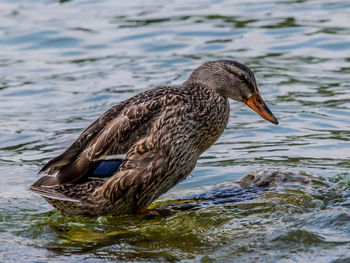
257, 104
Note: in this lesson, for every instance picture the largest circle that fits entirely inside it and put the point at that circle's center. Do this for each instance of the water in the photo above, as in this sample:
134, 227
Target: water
63, 63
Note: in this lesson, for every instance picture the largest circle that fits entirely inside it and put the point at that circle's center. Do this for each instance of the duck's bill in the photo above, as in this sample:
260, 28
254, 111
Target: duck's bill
256, 103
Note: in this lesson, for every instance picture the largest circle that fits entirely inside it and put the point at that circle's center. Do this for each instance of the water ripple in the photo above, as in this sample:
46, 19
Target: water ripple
63, 63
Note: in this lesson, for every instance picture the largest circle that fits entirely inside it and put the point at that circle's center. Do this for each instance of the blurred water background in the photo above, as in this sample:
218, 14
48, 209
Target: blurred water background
63, 63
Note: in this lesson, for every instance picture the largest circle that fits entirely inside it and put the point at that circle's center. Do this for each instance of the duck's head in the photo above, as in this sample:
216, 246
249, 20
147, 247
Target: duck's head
232, 80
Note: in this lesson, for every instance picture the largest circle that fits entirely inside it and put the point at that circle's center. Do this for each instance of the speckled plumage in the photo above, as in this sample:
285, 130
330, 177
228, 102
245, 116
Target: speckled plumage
161, 132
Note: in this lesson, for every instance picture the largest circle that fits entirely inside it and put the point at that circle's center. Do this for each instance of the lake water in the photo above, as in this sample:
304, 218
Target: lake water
63, 63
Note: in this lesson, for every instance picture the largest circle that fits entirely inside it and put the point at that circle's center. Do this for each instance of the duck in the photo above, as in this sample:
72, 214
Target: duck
142, 147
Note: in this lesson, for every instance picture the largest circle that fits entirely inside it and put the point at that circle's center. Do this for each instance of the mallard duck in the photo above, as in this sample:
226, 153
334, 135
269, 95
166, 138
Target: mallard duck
140, 148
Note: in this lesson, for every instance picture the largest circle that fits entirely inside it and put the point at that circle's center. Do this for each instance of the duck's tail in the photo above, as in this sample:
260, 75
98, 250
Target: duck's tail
49, 192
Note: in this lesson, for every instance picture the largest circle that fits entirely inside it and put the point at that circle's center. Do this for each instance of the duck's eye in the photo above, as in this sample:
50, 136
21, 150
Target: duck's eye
241, 76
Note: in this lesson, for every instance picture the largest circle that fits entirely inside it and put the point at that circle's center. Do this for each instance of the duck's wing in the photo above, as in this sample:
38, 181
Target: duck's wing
110, 135
62, 160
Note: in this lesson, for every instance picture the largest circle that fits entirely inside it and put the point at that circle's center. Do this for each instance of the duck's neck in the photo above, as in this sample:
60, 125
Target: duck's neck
203, 91
211, 112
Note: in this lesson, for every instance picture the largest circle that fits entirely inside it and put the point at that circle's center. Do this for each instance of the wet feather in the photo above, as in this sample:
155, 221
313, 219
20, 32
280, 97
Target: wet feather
160, 135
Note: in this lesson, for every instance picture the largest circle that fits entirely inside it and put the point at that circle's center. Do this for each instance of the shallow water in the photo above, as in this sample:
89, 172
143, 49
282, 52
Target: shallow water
63, 63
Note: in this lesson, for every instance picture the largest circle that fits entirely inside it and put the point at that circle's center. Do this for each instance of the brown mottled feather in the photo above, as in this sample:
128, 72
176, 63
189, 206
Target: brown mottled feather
113, 133
162, 133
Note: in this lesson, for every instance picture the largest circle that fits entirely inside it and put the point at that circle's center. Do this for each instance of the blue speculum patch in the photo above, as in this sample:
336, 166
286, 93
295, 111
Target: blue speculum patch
107, 168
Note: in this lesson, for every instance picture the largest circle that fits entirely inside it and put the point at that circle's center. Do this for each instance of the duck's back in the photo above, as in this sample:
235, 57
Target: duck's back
160, 134
114, 132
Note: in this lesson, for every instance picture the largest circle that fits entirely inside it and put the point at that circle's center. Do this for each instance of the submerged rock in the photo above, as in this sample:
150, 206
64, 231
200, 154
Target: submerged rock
273, 177
267, 184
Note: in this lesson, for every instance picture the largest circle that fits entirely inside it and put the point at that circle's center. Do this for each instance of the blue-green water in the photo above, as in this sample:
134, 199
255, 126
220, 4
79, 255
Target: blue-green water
63, 63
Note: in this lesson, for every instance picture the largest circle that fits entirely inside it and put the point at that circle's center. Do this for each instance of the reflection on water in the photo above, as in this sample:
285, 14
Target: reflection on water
63, 63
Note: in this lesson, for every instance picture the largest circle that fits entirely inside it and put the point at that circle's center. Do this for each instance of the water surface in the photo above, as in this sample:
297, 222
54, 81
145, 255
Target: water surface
63, 63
